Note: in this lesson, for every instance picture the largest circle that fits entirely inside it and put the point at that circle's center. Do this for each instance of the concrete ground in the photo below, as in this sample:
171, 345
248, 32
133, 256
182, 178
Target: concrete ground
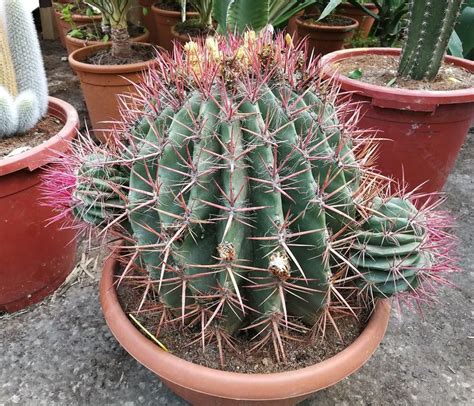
62, 353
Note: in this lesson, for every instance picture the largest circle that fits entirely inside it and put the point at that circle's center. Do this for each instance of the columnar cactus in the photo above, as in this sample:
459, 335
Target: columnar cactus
245, 199
22, 71
431, 23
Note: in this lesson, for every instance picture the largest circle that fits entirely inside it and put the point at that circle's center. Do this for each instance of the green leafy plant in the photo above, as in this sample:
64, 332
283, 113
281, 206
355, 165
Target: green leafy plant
204, 21
389, 21
430, 27
236, 16
243, 201
464, 30
114, 13
329, 6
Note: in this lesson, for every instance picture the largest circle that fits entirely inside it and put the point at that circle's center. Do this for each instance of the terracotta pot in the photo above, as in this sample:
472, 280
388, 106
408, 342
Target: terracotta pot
291, 28
35, 256
73, 44
181, 38
64, 27
323, 39
101, 84
425, 129
365, 21
205, 386
149, 20
164, 20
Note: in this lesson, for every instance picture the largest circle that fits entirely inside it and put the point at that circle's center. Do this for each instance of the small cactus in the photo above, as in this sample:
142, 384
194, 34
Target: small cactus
24, 91
431, 23
245, 199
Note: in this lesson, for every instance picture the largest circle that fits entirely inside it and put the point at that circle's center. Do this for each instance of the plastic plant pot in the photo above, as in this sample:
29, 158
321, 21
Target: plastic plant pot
324, 38
35, 255
164, 20
101, 84
423, 130
204, 386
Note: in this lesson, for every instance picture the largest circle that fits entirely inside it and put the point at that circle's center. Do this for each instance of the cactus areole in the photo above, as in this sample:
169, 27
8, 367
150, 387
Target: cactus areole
431, 23
247, 202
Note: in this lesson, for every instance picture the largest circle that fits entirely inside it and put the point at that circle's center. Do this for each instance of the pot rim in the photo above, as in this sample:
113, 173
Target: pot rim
399, 95
75, 59
233, 385
49, 150
329, 28
370, 6
142, 36
171, 13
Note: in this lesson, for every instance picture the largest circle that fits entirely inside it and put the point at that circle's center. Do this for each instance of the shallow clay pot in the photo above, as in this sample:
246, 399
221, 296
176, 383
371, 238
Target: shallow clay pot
164, 20
73, 44
424, 129
101, 84
149, 20
323, 39
205, 386
35, 256
64, 27
365, 21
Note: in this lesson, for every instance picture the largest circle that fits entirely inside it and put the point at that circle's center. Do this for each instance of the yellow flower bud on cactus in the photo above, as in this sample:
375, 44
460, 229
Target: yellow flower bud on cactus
289, 40
213, 48
193, 57
250, 37
241, 55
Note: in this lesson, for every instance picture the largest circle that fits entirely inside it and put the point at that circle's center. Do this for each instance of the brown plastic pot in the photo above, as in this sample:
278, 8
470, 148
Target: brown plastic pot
323, 39
149, 20
101, 84
205, 386
164, 20
35, 256
424, 129
365, 21
292, 28
64, 27
72, 44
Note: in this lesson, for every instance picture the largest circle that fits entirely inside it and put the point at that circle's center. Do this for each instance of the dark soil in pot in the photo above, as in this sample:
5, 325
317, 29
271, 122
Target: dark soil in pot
141, 53
172, 5
192, 28
329, 21
187, 344
381, 70
37, 135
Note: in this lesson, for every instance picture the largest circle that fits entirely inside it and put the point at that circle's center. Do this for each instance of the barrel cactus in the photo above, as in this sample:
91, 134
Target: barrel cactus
23, 86
248, 203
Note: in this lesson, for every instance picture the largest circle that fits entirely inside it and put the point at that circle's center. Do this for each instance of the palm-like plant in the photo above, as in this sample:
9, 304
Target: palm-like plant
204, 10
237, 15
114, 13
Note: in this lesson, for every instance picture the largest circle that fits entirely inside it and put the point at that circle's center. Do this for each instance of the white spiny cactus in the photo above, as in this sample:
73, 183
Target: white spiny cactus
24, 65
26, 52
8, 114
28, 110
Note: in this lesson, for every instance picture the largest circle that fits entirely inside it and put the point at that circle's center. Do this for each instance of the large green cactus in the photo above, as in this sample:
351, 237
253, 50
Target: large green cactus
431, 23
242, 196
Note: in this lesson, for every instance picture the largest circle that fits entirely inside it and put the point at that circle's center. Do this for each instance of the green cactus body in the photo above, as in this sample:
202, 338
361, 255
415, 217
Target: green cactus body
240, 196
388, 252
431, 23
